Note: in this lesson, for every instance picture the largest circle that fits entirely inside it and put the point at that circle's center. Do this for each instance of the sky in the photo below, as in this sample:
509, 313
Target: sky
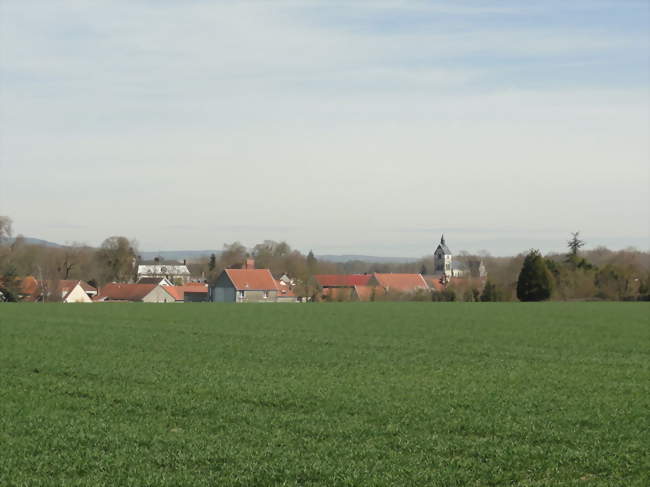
357, 127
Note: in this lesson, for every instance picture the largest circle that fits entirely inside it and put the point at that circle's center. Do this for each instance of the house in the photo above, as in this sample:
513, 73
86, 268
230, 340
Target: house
76, 291
143, 293
244, 286
174, 273
400, 283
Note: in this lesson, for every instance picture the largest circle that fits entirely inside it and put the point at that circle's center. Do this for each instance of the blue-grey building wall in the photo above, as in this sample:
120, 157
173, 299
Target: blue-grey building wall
222, 291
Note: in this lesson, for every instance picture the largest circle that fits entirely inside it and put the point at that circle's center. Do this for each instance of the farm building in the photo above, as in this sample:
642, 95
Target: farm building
143, 293
189, 293
244, 286
340, 287
172, 272
401, 283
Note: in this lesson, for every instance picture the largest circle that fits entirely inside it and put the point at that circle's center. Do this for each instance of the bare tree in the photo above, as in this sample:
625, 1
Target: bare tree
234, 253
117, 257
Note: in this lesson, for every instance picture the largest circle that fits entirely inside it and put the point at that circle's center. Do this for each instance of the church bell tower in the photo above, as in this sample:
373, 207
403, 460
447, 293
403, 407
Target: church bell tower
442, 259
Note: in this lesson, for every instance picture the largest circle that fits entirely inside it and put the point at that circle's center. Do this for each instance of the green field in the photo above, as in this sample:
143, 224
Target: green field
333, 394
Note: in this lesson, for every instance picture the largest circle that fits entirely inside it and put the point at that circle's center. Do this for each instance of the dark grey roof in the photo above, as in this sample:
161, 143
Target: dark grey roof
149, 280
443, 246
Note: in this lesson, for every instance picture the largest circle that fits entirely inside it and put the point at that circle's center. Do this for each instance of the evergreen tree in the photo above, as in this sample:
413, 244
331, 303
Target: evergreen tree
213, 262
575, 244
535, 280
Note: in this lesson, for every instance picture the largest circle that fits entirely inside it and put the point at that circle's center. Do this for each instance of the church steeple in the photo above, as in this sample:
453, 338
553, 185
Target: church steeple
442, 258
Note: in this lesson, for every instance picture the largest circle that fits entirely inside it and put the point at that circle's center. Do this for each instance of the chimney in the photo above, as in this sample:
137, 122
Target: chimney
250, 264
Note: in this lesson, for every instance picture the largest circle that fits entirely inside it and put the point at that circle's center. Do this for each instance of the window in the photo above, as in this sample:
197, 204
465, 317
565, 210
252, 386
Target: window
266, 294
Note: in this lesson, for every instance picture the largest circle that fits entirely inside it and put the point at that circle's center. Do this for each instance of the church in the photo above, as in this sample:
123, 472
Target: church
444, 264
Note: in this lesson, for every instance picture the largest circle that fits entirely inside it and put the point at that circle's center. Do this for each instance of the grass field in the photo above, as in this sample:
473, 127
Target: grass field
334, 394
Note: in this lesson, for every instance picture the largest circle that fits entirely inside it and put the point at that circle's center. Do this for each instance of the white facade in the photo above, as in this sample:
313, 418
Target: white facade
77, 295
169, 271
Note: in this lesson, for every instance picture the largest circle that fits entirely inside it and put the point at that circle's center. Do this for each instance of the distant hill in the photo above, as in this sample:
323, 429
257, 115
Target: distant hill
179, 255
38, 241
365, 258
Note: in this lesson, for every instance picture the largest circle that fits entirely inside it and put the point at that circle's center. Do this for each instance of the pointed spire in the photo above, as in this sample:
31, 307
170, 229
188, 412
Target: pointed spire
442, 239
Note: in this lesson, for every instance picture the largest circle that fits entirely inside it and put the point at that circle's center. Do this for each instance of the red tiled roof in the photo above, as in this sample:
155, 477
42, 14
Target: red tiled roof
434, 283
405, 283
252, 279
365, 293
342, 280
124, 292
175, 291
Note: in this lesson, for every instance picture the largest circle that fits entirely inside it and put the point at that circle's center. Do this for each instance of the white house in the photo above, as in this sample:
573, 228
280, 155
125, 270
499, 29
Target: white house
171, 272
76, 291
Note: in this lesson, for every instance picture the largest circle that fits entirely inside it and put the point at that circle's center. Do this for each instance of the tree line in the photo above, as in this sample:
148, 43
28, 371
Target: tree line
577, 274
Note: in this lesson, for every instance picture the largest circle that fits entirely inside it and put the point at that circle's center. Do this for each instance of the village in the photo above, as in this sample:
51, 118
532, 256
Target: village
242, 282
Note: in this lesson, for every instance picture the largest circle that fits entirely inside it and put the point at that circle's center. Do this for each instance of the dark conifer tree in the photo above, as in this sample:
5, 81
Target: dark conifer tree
535, 280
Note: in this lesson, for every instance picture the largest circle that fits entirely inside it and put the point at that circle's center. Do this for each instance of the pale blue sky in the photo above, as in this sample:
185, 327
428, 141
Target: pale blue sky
346, 127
